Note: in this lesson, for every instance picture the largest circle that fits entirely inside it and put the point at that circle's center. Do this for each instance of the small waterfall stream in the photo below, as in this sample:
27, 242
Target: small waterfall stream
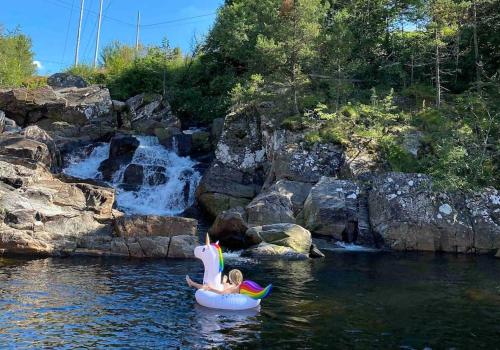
168, 180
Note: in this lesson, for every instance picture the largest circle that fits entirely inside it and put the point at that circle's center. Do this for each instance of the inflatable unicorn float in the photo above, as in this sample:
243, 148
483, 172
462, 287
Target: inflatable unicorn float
250, 292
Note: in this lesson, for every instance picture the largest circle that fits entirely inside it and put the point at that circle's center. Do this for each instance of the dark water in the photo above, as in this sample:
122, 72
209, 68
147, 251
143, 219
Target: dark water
346, 301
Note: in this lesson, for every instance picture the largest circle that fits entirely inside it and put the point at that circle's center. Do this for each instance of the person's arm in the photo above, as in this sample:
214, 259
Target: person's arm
228, 290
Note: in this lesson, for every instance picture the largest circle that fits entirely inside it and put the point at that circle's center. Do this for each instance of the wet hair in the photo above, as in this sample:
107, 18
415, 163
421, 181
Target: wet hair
235, 276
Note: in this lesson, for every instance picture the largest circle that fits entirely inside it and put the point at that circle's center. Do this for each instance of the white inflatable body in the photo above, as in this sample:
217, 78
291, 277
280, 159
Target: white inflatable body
225, 301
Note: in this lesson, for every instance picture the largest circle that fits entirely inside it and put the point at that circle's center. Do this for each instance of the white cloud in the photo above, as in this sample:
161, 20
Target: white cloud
38, 64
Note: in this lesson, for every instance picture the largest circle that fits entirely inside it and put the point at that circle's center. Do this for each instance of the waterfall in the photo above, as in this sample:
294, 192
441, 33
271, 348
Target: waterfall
168, 180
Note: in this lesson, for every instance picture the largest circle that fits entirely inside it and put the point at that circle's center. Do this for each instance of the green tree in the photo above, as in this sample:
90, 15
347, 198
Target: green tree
16, 59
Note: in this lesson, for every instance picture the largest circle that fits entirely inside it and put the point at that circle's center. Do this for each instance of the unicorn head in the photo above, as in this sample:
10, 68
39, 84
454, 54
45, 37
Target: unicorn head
211, 255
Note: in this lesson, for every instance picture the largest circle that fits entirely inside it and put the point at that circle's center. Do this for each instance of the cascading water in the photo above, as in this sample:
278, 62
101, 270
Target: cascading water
167, 185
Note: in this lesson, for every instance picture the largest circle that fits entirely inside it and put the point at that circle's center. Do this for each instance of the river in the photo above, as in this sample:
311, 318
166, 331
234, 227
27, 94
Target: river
352, 300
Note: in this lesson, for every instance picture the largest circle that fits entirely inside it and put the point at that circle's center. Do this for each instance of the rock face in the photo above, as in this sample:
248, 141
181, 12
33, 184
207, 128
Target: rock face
279, 240
333, 209
484, 208
270, 208
121, 151
45, 216
21, 148
230, 227
151, 111
73, 105
408, 215
294, 160
33, 132
237, 174
66, 80
148, 225
222, 188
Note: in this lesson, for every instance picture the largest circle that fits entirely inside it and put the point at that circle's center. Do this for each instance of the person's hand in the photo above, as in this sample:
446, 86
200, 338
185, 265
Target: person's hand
188, 280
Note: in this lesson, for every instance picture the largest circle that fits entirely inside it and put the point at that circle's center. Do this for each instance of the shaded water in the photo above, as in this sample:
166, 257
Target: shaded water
345, 301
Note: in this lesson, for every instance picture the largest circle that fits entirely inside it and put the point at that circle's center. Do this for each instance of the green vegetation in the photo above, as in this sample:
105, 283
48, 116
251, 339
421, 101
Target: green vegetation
16, 59
380, 74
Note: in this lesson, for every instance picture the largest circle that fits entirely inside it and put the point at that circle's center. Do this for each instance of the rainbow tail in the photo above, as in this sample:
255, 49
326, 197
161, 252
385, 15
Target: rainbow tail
253, 290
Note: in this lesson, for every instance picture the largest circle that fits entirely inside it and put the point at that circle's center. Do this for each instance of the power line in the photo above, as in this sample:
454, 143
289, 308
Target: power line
67, 30
177, 20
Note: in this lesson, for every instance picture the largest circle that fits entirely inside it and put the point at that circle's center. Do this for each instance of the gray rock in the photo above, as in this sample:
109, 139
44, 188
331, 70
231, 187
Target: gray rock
273, 251
146, 108
409, 215
133, 177
295, 190
332, 209
291, 236
216, 131
484, 208
223, 187
314, 252
73, 105
25, 150
270, 207
296, 161
33, 132
150, 225
229, 228
121, 151
66, 80
182, 246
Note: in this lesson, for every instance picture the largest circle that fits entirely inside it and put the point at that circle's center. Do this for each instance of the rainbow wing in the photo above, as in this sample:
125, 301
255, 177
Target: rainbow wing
254, 291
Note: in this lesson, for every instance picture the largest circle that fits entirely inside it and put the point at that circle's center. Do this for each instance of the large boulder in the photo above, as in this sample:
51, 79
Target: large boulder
45, 216
296, 191
25, 150
121, 151
409, 215
66, 80
149, 225
229, 228
222, 188
133, 177
279, 240
335, 208
270, 207
146, 109
73, 105
216, 131
33, 132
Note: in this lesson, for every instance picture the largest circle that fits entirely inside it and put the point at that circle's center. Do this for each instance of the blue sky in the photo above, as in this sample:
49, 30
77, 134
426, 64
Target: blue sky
52, 25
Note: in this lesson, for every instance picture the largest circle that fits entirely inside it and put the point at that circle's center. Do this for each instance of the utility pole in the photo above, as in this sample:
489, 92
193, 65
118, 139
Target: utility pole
98, 34
137, 31
79, 33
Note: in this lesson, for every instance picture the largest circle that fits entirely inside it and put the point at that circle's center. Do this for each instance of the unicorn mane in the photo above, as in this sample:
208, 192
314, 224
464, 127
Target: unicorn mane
220, 256
254, 291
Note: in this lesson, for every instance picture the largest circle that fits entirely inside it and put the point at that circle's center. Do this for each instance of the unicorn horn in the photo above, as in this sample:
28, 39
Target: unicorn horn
207, 240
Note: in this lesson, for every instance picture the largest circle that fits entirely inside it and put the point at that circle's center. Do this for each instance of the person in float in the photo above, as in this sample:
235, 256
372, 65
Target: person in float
231, 287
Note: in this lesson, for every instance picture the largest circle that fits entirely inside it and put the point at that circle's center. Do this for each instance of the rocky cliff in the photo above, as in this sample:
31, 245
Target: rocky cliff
266, 173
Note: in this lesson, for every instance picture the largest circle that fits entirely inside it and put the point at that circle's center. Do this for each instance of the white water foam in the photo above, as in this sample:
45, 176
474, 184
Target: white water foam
86, 167
170, 198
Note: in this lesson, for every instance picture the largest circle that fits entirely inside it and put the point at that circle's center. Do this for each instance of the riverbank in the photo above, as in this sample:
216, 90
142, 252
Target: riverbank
81, 174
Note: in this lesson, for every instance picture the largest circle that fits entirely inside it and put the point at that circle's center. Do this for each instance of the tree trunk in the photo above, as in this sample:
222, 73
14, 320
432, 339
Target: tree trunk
438, 72
476, 48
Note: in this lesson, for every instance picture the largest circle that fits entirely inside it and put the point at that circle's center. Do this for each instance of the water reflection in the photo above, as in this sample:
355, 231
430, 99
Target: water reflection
343, 301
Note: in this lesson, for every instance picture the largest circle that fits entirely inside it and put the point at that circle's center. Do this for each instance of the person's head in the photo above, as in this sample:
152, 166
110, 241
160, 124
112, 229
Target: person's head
235, 277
